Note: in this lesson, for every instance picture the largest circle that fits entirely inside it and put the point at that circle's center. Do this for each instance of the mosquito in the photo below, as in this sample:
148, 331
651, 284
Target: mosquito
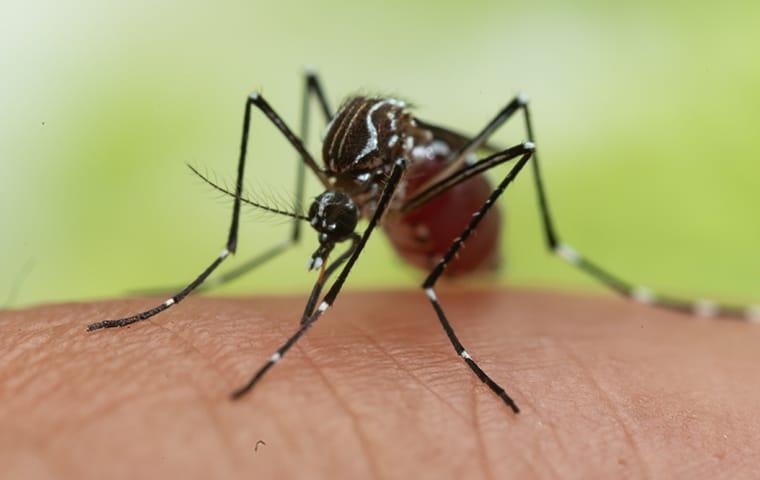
424, 185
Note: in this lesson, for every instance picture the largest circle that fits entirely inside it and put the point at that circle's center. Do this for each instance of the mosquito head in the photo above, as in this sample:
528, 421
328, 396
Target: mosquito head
334, 216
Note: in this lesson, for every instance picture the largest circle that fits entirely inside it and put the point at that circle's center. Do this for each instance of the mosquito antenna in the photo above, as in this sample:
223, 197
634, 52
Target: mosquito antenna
247, 200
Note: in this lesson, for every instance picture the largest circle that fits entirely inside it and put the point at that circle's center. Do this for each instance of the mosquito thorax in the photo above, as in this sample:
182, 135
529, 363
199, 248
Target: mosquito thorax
366, 133
363, 141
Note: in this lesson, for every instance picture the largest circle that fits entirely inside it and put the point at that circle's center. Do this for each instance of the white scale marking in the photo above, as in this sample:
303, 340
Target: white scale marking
392, 117
348, 127
316, 263
225, 253
371, 145
705, 308
421, 152
568, 253
169, 302
753, 314
529, 145
431, 294
323, 306
643, 295
522, 99
465, 355
275, 357
439, 148
430, 151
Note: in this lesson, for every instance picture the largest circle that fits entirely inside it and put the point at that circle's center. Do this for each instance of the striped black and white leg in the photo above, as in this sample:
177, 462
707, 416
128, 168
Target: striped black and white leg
316, 291
638, 293
253, 100
312, 90
524, 152
645, 295
335, 288
641, 294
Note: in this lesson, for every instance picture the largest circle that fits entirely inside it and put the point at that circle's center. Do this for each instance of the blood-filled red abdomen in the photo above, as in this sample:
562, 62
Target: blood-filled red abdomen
422, 236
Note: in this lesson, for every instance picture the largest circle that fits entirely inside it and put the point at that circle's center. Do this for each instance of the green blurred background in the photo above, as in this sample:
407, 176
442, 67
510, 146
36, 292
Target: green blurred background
646, 116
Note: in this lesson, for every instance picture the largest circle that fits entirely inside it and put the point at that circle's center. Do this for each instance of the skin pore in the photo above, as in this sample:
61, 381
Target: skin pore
607, 389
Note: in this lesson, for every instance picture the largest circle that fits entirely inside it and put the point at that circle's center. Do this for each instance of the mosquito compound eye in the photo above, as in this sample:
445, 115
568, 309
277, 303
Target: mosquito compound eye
334, 215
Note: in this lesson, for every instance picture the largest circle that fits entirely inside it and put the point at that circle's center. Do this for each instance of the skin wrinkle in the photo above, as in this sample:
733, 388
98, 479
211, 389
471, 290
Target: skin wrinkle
190, 346
253, 347
611, 407
182, 343
406, 370
353, 417
21, 347
216, 423
179, 339
59, 467
43, 461
482, 454
446, 352
53, 435
38, 354
154, 384
531, 408
283, 330
482, 459
22, 386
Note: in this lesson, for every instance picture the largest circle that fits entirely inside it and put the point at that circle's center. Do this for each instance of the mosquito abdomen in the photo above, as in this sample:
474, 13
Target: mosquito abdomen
422, 236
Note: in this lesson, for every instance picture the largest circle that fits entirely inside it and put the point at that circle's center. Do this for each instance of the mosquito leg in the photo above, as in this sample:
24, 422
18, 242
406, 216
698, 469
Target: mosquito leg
524, 152
638, 293
311, 304
466, 147
566, 252
461, 175
253, 100
312, 89
329, 298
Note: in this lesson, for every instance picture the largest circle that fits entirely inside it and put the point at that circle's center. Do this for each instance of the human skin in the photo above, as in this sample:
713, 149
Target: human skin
607, 388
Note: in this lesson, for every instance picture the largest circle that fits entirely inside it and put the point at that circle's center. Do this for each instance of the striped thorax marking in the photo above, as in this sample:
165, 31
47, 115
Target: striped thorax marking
361, 130
357, 110
371, 144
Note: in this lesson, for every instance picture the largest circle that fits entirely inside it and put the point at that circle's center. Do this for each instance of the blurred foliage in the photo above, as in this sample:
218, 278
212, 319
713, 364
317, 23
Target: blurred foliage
646, 116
